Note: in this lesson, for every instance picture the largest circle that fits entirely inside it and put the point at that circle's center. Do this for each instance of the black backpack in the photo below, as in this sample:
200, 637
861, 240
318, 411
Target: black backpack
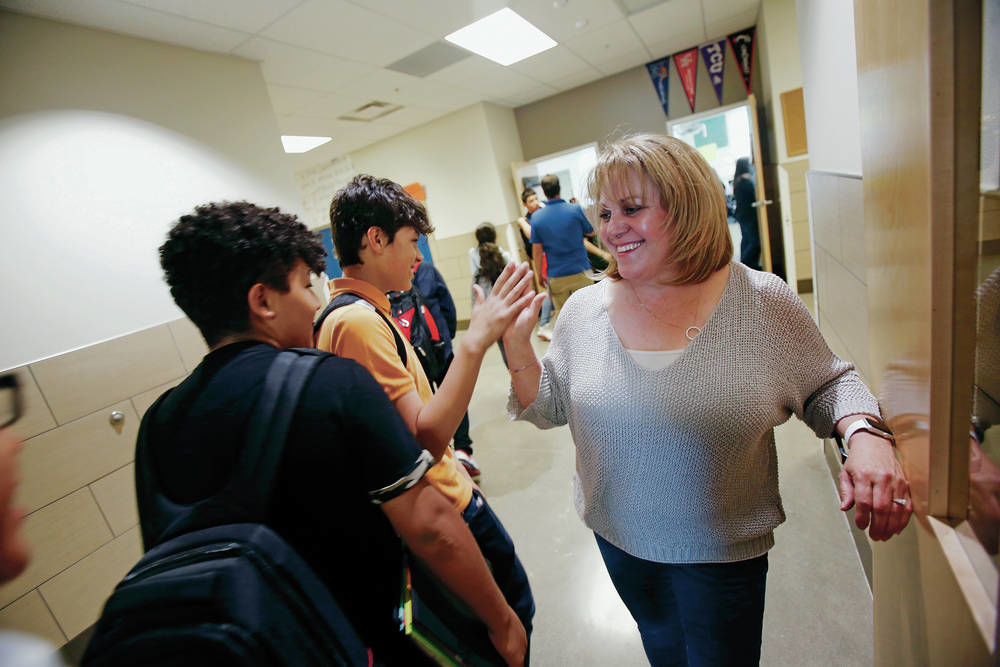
214, 592
430, 352
415, 319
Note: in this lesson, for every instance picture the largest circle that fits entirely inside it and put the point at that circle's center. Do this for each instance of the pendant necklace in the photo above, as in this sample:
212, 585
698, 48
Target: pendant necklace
688, 331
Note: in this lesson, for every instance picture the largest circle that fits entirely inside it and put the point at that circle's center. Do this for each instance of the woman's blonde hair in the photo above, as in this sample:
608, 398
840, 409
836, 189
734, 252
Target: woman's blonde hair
690, 192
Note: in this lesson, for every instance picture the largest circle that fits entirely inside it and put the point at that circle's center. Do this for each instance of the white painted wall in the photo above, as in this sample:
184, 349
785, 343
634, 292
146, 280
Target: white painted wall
463, 162
830, 85
779, 35
104, 140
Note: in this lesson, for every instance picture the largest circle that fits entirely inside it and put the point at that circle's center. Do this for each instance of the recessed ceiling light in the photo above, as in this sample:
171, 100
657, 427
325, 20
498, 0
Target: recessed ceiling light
296, 144
503, 37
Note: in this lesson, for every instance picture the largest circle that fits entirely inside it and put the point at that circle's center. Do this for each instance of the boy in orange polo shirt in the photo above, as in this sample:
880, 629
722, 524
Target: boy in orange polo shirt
375, 226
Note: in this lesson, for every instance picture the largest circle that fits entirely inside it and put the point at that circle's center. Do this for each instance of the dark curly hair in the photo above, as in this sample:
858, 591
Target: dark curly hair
212, 258
368, 202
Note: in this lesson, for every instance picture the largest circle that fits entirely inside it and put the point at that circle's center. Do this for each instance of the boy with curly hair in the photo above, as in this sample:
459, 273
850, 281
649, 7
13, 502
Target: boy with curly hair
242, 273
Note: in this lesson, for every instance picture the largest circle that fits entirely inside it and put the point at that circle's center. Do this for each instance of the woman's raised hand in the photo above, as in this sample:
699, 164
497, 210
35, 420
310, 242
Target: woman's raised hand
521, 327
511, 294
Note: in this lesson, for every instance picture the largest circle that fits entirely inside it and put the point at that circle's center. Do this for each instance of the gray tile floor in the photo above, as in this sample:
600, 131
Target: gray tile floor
818, 608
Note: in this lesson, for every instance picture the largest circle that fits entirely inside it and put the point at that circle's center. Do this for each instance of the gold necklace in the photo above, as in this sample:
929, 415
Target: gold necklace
687, 331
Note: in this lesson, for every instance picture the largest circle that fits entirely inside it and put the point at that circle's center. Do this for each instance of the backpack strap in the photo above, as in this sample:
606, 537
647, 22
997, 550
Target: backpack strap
346, 299
248, 495
253, 482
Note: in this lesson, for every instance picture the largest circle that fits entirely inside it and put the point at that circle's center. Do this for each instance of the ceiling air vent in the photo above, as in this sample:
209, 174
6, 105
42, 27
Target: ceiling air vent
366, 113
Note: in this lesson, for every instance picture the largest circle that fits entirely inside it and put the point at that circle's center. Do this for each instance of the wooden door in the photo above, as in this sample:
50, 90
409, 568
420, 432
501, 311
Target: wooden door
762, 202
918, 84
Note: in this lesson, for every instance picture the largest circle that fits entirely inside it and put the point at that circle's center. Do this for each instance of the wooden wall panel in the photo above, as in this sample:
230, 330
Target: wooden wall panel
77, 595
30, 615
79, 382
793, 112
65, 459
78, 479
60, 534
918, 92
115, 495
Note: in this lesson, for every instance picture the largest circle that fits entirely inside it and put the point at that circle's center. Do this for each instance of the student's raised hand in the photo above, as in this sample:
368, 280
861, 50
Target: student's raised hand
511, 294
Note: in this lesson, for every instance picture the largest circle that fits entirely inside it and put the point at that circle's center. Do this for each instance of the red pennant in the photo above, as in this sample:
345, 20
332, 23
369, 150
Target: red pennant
687, 68
743, 48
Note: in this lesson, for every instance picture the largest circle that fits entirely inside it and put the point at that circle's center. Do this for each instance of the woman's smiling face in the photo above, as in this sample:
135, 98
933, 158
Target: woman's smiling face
634, 227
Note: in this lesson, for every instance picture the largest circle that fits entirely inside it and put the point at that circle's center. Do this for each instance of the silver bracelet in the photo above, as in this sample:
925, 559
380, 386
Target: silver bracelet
528, 365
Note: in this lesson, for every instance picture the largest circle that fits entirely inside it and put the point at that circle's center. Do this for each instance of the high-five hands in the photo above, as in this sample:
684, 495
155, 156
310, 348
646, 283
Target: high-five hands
511, 294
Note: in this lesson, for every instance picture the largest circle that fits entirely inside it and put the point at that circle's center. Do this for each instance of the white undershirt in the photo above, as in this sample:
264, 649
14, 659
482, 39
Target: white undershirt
654, 360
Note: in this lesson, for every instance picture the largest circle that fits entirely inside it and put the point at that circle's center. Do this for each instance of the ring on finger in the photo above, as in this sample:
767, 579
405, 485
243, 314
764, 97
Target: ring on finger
901, 501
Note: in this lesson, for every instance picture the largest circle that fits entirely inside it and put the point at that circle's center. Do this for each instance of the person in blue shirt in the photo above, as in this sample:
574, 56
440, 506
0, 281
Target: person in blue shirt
562, 232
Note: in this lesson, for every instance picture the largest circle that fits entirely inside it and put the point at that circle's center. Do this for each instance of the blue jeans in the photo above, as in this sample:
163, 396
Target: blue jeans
692, 614
546, 313
498, 550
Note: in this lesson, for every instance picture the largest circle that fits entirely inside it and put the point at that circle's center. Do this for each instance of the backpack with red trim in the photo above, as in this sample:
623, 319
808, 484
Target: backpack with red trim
418, 326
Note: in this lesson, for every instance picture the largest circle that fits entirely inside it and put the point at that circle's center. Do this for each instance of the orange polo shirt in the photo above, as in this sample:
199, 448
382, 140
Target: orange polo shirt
357, 332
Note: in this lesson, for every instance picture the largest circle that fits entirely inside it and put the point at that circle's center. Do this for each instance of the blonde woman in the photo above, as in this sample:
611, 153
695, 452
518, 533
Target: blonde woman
691, 362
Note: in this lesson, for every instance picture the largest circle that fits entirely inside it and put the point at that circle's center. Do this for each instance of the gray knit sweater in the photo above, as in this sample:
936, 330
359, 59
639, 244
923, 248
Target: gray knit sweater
679, 465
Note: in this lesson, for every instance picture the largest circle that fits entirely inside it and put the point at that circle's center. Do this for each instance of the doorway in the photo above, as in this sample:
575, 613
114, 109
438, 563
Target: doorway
723, 136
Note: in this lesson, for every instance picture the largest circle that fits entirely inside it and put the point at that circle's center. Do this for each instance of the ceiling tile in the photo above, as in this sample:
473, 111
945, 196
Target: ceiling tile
615, 43
244, 15
480, 75
399, 88
560, 23
675, 43
132, 20
623, 62
288, 99
730, 24
345, 30
409, 117
318, 127
677, 23
434, 17
332, 105
290, 66
579, 79
553, 66
721, 10
340, 144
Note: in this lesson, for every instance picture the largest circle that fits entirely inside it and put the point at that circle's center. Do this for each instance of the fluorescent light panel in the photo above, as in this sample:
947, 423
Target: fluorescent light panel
296, 144
503, 37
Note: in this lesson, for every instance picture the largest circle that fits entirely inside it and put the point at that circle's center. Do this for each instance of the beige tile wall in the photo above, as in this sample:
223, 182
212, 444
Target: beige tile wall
802, 237
77, 477
836, 212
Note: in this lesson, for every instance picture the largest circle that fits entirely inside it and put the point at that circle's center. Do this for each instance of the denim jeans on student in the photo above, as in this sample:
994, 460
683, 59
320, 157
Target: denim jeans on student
546, 314
498, 549
697, 614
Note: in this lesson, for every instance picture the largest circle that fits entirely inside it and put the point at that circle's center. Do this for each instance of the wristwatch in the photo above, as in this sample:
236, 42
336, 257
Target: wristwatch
873, 425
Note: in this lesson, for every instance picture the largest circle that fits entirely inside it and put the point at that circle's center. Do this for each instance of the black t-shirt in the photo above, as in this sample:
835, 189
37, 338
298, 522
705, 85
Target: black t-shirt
347, 447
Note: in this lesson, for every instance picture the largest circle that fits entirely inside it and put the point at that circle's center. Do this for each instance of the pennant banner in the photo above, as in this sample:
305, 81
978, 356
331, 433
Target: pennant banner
659, 72
743, 48
687, 69
714, 55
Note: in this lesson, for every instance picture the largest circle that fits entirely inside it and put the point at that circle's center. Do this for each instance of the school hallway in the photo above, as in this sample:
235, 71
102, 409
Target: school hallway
818, 607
